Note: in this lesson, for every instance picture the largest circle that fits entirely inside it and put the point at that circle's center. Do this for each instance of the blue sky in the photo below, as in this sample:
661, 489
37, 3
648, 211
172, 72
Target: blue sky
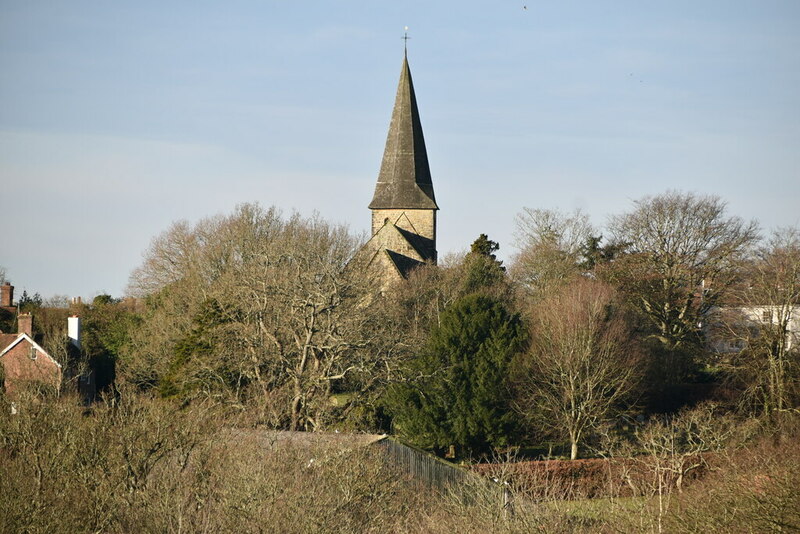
117, 118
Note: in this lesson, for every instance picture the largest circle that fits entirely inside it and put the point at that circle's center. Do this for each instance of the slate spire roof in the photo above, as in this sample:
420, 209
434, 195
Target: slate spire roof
404, 181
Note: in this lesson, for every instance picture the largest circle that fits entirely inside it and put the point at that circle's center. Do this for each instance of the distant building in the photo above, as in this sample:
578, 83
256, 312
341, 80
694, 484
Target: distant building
730, 328
23, 360
403, 206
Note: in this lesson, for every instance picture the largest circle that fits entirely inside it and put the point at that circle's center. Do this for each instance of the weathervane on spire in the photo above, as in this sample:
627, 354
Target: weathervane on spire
405, 41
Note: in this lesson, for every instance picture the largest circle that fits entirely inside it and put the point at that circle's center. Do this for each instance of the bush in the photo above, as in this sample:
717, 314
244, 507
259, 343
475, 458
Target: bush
139, 464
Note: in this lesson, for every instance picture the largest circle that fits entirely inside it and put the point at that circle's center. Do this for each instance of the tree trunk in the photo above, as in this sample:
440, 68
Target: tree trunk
295, 407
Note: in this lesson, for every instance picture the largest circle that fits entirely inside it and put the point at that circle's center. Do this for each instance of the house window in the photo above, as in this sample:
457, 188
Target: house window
32, 353
766, 316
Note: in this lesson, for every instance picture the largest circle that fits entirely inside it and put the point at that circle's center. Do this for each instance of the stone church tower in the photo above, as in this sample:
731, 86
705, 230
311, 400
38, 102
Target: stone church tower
403, 207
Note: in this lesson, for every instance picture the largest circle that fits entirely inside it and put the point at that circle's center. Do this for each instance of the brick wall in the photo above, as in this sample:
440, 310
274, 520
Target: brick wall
24, 363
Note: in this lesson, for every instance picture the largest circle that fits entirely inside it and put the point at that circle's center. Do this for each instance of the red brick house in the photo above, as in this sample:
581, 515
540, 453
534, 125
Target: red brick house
22, 360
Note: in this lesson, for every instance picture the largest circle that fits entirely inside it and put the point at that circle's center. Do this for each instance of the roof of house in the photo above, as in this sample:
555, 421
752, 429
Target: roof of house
6, 340
19, 338
404, 181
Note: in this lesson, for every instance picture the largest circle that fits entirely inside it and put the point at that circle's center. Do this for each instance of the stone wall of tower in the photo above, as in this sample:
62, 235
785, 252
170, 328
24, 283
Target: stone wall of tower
388, 238
420, 222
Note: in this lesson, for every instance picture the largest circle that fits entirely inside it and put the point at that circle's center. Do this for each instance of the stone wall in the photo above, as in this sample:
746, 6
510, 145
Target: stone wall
420, 222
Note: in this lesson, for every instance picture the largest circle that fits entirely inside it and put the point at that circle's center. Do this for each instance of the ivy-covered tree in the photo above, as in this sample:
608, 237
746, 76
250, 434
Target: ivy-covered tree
107, 327
192, 366
456, 390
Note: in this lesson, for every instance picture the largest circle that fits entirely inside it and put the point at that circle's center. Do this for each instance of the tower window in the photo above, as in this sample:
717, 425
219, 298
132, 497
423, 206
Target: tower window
32, 353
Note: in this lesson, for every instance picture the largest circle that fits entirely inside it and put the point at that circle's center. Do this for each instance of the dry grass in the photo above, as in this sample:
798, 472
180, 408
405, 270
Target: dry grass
143, 465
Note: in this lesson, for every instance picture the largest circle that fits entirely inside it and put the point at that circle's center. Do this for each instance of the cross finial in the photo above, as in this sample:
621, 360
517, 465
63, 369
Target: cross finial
405, 41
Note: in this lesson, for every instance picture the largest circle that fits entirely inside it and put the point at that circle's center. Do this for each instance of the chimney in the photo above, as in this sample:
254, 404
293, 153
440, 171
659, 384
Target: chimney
6, 295
25, 324
74, 331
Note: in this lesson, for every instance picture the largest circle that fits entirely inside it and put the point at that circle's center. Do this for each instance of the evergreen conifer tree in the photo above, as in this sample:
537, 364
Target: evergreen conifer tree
456, 392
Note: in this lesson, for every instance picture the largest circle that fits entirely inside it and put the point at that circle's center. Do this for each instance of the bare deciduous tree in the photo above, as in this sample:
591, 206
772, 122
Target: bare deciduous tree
581, 364
255, 302
308, 315
550, 244
681, 255
764, 320
671, 448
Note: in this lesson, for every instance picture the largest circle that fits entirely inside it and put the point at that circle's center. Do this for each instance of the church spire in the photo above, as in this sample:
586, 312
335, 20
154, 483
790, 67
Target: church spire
404, 181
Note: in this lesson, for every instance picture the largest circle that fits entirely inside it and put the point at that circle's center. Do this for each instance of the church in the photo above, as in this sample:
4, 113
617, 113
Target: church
403, 206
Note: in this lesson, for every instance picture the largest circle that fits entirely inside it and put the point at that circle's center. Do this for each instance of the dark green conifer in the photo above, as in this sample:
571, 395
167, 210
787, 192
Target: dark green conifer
456, 391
